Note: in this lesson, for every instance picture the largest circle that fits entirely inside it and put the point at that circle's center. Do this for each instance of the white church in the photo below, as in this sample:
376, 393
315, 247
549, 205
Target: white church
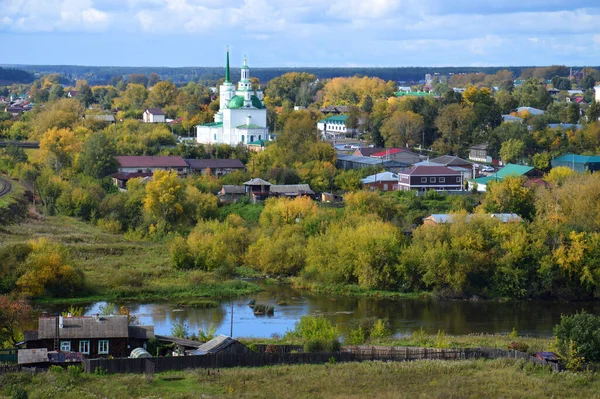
242, 116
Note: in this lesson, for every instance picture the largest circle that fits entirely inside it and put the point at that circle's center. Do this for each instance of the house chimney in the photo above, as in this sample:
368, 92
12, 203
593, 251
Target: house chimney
60, 322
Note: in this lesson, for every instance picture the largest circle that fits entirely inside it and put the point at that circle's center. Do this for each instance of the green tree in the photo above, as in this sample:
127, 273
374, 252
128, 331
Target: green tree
97, 158
402, 129
583, 329
453, 123
533, 93
512, 151
510, 195
162, 94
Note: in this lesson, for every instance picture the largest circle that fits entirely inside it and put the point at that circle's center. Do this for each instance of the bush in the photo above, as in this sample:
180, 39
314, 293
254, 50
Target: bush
518, 346
110, 226
356, 336
272, 349
583, 331
19, 393
322, 345
312, 328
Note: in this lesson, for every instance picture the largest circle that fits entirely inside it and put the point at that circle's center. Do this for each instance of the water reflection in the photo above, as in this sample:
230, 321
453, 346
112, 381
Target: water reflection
535, 318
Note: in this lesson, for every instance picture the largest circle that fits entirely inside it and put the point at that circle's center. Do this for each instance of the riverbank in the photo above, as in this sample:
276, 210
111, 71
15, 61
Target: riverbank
117, 268
507, 378
440, 340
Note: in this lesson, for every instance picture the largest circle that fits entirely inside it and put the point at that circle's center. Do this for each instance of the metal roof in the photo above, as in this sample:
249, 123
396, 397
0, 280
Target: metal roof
357, 159
214, 163
231, 189
335, 118
430, 170
215, 345
291, 189
531, 110
155, 111
578, 158
441, 218
84, 327
257, 182
383, 176
145, 161
450, 160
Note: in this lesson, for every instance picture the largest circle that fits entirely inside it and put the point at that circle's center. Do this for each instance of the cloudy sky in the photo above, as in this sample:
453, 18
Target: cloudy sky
300, 32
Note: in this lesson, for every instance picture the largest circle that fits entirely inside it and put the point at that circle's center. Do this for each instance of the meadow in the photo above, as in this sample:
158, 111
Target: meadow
505, 378
116, 267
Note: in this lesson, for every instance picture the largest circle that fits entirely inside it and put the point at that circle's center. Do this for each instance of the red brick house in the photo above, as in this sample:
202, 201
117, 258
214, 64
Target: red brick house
385, 181
423, 178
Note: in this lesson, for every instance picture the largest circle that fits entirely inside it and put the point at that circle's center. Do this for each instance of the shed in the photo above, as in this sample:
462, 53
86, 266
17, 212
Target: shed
579, 163
231, 193
290, 190
221, 344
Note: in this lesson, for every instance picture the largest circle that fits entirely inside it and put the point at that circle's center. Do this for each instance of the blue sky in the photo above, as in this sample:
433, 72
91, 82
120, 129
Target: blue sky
292, 33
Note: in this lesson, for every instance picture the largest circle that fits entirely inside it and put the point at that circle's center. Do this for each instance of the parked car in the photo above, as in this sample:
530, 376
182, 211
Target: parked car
486, 168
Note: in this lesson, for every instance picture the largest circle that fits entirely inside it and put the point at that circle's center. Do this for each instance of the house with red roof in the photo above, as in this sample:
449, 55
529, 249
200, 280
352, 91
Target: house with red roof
423, 178
403, 155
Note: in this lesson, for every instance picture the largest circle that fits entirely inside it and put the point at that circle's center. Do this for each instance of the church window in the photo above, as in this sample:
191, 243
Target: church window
242, 138
259, 137
215, 137
251, 138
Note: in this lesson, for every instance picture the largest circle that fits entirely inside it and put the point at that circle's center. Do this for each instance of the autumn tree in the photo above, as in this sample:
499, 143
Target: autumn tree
510, 195
165, 196
162, 94
295, 87
59, 148
134, 97
453, 123
12, 315
402, 129
512, 151
97, 158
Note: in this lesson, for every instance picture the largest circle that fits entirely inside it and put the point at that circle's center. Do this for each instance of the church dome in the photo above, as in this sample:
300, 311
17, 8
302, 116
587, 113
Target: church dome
238, 102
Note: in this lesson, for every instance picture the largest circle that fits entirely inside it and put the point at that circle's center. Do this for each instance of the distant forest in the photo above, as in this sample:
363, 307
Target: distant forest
96, 75
11, 75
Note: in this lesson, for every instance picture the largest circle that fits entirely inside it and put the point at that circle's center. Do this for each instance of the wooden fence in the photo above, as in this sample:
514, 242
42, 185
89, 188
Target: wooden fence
347, 354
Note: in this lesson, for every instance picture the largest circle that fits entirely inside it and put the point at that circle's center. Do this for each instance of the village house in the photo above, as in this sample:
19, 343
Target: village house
348, 162
510, 170
334, 126
92, 336
221, 344
143, 166
231, 193
216, 167
480, 153
14, 110
367, 151
423, 178
530, 110
153, 115
397, 154
385, 181
259, 190
443, 218
335, 109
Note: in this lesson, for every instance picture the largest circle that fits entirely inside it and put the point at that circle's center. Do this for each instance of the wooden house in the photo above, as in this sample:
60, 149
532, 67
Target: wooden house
92, 336
221, 344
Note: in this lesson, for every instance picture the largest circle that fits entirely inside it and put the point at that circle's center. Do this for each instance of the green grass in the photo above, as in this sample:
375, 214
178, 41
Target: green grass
13, 195
503, 378
353, 290
118, 268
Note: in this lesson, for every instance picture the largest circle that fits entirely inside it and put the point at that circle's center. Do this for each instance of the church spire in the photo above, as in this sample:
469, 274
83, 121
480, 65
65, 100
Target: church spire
227, 67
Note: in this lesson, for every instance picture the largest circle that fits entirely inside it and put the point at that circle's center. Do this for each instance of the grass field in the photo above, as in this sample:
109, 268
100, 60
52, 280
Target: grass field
118, 268
505, 378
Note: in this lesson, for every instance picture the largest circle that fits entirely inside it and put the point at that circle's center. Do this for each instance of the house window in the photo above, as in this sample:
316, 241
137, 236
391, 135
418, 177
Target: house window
458, 179
84, 347
442, 180
103, 347
432, 179
385, 187
65, 346
423, 180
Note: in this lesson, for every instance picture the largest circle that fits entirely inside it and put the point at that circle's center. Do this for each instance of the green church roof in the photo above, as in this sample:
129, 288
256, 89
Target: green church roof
212, 124
238, 102
250, 126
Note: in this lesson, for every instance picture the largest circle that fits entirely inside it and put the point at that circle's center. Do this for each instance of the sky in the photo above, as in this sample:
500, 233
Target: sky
300, 33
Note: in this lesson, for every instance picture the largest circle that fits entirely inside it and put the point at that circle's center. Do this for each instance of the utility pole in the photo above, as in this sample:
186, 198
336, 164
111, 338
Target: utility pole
231, 327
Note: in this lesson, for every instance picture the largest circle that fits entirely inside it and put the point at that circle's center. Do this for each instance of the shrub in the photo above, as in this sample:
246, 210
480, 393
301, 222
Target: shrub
355, 336
74, 372
518, 346
110, 226
440, 340
272, 349
311, 327
19, 393
581, 330
314, 345
380, 329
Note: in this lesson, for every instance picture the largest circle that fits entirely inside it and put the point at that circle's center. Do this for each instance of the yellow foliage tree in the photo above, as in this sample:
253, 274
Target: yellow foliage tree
59, 147
281, 211
165, 196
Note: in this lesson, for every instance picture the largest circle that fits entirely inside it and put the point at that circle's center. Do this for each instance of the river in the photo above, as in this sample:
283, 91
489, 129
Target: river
534, 318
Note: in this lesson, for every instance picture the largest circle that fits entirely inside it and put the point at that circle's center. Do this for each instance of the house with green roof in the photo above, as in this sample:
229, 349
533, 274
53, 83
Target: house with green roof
414, 94
242, 116
510, 170
579, 163
334, 126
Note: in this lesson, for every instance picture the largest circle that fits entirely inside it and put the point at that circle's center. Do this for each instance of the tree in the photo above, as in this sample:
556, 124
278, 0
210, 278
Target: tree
165, 197
59, 147
367, 104
162, 94
296, 87
97, 158
349, 180
402, 129
56, 92
353, 118
588, 82
12, 315
138, 78
153, 79
134, 97
573, 113
561, 83
533, 93
506, 102
593, 112
559, 175
582, 329
512, 151
453, 122
85, 95
510, 195
281, 253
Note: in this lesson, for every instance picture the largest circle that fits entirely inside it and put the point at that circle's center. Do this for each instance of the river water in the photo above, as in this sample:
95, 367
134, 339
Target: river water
535, 318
